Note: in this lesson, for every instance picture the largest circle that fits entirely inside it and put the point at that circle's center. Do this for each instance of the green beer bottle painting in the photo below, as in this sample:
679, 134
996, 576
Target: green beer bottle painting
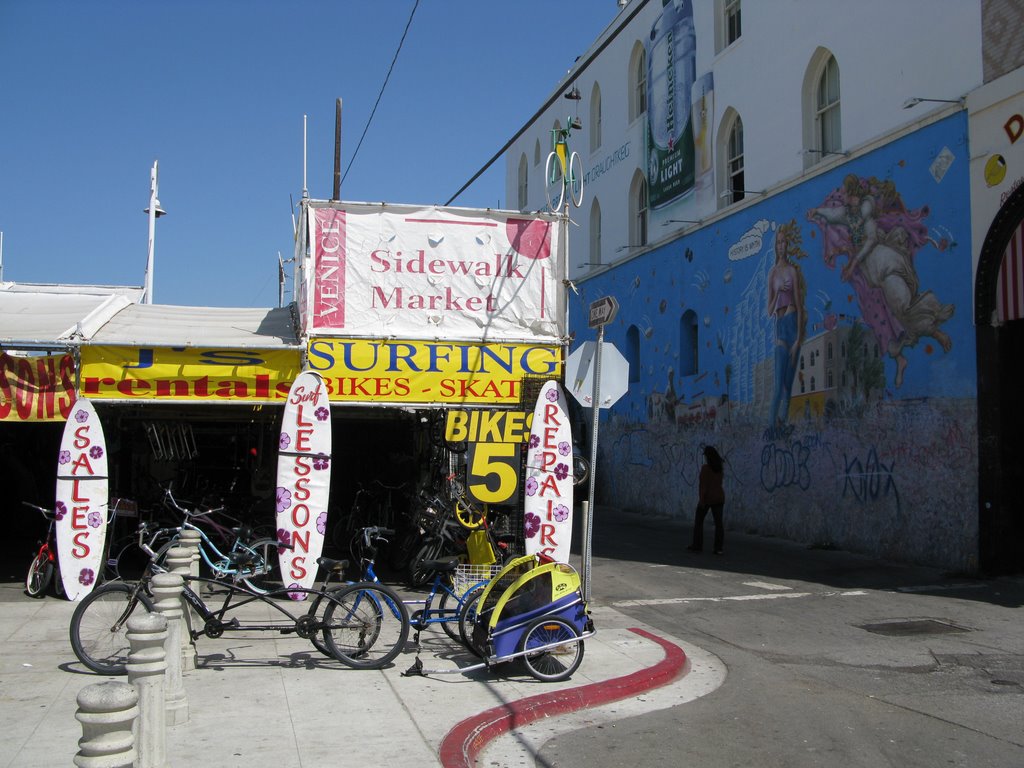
671, 71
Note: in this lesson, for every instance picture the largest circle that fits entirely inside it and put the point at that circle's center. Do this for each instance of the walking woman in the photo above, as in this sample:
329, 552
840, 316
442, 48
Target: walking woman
712, 496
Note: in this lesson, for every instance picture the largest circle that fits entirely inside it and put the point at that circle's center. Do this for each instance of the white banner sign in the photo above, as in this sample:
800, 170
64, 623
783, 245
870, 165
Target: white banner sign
453, 273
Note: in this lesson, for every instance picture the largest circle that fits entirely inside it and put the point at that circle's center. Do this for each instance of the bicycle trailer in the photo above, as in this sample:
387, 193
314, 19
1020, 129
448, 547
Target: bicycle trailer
533, 610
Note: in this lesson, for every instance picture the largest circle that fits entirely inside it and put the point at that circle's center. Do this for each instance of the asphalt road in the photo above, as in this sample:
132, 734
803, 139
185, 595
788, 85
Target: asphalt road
833, 659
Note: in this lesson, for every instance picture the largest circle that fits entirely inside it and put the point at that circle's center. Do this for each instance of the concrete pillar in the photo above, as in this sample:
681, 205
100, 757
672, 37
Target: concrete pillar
107, 712
147, 668
167, 591
179, 561
189, 540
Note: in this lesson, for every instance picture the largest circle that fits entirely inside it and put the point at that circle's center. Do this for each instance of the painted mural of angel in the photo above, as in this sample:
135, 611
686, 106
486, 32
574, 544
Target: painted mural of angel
866, 221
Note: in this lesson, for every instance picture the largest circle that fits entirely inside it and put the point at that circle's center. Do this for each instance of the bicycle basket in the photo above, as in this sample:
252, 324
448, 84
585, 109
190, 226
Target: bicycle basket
466, 575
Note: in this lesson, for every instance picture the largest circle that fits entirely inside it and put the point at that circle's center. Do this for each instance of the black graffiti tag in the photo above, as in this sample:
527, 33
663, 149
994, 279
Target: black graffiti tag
783, 467
870, 480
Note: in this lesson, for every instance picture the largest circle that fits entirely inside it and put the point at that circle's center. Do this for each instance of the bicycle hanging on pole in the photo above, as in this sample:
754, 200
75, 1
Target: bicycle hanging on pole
564, 168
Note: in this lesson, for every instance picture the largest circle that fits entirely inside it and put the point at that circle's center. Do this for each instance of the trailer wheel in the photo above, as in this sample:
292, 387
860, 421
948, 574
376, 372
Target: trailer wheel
556, 663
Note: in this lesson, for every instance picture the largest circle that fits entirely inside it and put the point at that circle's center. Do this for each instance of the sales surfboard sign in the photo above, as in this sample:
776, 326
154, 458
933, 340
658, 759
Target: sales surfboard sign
303, 481
547, 507
81, 500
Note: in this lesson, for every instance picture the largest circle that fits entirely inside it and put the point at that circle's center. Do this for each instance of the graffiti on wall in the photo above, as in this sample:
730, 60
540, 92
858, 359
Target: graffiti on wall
815, 339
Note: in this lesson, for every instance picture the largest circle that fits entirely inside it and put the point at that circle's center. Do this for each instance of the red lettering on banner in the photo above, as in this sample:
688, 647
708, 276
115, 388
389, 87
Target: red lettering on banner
39, 388
305, 518
75, 485
80, 462
302, 492
82, 439
299, 543
547, 535
298, 569
1014, 128
329, 269
78, 517
302, 437
548, 484
302, 466
81, 548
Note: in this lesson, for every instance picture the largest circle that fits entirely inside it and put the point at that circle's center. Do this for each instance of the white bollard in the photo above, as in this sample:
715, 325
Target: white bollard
147, 668
167, 591
189, 540
179, 561
107, 713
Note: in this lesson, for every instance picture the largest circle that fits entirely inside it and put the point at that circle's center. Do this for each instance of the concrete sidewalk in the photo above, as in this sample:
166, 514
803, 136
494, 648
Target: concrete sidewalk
268, 699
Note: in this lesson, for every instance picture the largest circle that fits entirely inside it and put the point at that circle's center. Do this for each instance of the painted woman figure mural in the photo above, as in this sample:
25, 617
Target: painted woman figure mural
786, 294
866, 220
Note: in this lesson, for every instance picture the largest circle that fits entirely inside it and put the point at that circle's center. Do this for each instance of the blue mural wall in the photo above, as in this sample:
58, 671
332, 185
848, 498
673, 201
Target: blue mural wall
822, 341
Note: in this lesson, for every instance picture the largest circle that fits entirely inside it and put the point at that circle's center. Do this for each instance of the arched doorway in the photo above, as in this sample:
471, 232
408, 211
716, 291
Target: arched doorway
1000, 344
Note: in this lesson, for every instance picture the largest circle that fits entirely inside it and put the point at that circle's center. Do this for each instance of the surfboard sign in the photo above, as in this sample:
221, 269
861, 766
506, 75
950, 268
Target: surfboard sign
303, 481
547, 505
81, 500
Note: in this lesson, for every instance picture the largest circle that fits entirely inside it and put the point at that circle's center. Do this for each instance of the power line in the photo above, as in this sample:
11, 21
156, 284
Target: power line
379, 95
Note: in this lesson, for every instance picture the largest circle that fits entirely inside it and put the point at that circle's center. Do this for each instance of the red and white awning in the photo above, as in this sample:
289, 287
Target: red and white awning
1010, 289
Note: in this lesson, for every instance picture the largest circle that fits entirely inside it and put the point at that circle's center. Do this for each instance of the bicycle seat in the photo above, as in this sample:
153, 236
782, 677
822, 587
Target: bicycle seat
337, 566
444, 565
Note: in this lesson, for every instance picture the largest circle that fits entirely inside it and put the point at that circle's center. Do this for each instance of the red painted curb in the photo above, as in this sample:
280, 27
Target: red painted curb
467, 739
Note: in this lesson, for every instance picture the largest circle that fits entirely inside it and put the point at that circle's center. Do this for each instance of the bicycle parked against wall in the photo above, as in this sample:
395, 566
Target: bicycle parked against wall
450, 597
348, 622
44, 565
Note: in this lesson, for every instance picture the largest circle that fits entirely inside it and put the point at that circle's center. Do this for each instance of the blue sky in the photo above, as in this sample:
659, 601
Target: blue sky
91, 93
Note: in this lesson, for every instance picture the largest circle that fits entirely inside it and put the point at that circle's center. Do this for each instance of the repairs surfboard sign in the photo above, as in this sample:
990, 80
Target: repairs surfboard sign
303, 481
81, 500
547, 509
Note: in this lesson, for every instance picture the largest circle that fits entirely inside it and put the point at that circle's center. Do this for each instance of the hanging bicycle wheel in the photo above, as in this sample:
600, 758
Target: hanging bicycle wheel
40, 574
554, 182
576, 179
366, 625
563, 649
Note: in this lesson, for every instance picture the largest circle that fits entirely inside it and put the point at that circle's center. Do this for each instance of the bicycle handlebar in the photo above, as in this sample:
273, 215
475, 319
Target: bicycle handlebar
49, 514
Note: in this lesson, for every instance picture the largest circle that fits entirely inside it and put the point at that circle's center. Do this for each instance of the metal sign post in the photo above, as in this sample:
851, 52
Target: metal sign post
602, 312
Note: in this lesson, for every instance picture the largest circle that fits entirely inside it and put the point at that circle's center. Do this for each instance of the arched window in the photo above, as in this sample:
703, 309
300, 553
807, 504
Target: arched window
638, 210
595, 118
734, 168
637, 82
822, 108
595, 233
728, 26
812, 383
633, 353
829, 133
689, 349
536, 152
828, 355
522, 188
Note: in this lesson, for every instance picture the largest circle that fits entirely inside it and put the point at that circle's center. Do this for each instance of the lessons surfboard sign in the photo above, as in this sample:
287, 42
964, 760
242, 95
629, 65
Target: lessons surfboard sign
81, 500
547, 509
303, 480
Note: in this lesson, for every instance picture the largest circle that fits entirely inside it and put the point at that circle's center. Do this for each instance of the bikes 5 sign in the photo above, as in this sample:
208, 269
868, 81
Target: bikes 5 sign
81, 505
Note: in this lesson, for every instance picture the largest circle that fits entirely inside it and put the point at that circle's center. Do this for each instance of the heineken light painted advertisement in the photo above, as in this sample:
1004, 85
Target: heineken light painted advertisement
671, 72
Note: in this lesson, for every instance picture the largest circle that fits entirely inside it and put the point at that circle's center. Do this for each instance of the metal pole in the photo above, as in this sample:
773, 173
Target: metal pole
337, 152
153, 203
596, 405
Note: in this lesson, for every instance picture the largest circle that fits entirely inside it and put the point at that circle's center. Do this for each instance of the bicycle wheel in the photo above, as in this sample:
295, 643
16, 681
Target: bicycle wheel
467, 615
99, 626
576, 179
449, 607
40, 574
556, 663
418, 573
554, 182
580, 469
469, 516
366, 625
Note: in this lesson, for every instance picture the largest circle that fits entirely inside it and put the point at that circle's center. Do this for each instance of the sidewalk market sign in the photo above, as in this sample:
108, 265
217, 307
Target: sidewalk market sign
409, 272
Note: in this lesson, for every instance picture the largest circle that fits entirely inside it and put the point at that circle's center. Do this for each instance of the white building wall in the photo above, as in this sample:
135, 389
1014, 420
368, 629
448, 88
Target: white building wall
887, 52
